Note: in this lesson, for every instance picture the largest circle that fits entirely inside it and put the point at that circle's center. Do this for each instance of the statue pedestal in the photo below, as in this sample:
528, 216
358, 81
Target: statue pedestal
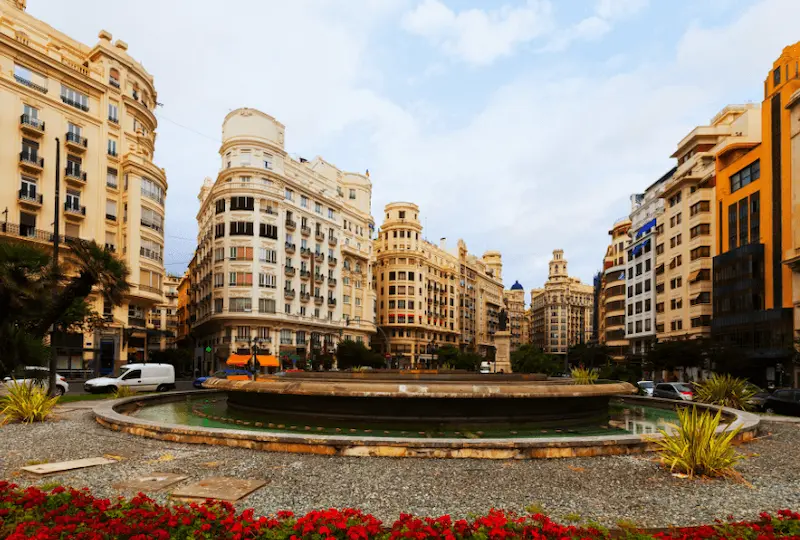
502, 358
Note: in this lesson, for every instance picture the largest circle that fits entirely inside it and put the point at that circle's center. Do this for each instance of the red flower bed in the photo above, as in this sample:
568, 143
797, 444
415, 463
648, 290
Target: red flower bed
75, 514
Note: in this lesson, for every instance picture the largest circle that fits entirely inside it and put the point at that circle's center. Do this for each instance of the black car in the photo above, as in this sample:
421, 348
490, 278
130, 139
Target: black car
785, 401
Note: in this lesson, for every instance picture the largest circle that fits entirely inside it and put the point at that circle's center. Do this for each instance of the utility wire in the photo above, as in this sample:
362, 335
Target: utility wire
215, 139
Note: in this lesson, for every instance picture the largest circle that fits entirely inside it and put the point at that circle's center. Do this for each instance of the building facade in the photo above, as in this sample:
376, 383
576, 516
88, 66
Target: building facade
93, 107
184, 311
480, 298
164, 317
283, 251
514, 301
611, 311
640, 266
792, 255
561, 311
752, 297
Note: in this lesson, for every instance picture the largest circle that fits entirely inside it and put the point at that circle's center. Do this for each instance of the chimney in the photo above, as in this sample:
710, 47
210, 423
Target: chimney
443, 243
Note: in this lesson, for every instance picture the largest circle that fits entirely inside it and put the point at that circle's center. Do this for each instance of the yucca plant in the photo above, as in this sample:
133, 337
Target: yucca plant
726, 391
123, 392
26, 403
581, 375
695, 448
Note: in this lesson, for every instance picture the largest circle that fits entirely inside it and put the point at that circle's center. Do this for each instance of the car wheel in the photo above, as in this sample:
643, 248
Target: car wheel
769, 410
59, 391
162, 388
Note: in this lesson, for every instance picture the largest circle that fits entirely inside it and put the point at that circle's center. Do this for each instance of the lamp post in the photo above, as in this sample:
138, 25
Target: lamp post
255, 342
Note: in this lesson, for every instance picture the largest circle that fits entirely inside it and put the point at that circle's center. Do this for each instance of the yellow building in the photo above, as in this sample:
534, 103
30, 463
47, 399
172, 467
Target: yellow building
686, 230
480, 298
514, 300
164, 317
91, 109
283, 250
561, 311
184, 310
792, 254
753, 296
611, 309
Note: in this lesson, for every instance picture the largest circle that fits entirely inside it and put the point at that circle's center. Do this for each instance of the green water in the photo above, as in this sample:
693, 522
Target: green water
625, 418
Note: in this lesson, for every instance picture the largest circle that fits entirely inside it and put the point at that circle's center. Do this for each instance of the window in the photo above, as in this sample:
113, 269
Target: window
267, 255
776, 76
112, 147
660, 249
675, 283
152, 190
743, 214
703, 229
218, 308
699, 207
113, 113
111, 178
241, 228
755, 218
267, 161
219, 230
304, 201
267, 280
111, 209
331, 213
732, 230
219, 206
352, 194
74, 98
73, 200
265, 230
28, 189
243, 333
242, 203
219, 280
266, 305
244, 158
318, 208
240, 279
746, 175
700, 252
241, 253
30, 78
288, 194
346, 299
240, 305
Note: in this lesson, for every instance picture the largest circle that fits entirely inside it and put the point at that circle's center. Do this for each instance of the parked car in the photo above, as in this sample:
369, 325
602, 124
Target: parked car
784, 401
486, 367
37, 375
233, 374
673, 390
140, 377
646, 388
759, 398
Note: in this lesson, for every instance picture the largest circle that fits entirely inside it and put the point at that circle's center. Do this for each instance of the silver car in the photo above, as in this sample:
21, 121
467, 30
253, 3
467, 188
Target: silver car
673, 390
646, 388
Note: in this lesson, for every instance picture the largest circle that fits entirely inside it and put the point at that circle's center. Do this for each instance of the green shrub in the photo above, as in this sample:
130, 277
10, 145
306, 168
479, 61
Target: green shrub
695, 448
123, 392
726, 391
26, 403
584, 376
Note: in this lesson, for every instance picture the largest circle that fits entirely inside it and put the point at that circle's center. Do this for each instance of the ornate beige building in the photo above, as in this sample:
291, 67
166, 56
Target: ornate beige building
94, 104
283, 254
561, 311
514, 301
611, 311
686, 230
165, 316
429, 296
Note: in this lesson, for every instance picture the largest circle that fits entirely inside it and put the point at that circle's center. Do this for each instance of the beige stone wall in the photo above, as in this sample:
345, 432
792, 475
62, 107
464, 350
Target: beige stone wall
110, 189
514, 301
792, 258
612, 293
283, 249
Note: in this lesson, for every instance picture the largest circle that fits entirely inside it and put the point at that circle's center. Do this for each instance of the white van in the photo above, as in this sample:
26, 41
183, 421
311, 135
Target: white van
140, 377
486, 367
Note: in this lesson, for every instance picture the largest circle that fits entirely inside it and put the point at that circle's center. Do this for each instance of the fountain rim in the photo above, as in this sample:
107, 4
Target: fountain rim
112, 415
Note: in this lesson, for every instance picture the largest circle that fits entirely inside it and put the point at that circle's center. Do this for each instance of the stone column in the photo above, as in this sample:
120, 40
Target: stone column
502, 358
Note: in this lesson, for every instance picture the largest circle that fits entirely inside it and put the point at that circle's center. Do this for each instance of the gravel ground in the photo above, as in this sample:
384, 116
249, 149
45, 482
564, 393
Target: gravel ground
604, 489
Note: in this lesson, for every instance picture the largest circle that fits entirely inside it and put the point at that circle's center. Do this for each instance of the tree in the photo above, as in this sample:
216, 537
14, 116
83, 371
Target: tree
350, 354
592, 355
530, 359
446, 355
469, 361
673, 354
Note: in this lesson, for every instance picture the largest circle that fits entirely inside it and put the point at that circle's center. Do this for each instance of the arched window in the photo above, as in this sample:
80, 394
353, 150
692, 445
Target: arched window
113, 77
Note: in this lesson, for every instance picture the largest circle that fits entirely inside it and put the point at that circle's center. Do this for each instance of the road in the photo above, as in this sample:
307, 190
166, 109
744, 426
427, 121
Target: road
76, 387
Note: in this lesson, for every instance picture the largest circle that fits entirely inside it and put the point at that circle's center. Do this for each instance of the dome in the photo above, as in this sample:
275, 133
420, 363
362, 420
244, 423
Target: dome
517, 287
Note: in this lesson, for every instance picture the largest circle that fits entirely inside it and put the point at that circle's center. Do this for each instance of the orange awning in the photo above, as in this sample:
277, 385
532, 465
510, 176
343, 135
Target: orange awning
264, 360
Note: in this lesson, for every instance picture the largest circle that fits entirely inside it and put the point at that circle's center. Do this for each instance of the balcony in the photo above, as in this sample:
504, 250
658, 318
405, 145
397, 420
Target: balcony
319, 278
320, 236
73, 103
304, 230
331, 301
332, 261
31, 161
113, 82
289, 270
332, 240
75, 142
319, 257
288, 294
305, 296
290, 248
74, 209
331, 282
29, 198
74, 175
31, 126
305, 252
318, 300
291, 225
30, 84
305, 274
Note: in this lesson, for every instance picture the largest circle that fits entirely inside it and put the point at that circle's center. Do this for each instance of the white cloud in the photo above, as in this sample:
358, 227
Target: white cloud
479, 36
601, 22
618, 9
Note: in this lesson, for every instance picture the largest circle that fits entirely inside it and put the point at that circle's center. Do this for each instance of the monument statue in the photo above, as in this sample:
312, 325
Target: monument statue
503, 320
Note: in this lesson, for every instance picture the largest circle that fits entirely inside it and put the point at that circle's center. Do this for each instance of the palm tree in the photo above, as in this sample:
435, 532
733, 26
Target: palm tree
23, 279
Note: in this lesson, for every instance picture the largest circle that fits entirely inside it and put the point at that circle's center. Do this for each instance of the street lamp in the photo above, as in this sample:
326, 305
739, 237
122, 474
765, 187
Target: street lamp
255, 342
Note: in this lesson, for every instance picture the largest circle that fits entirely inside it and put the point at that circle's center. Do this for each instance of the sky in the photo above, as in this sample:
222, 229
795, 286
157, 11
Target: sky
517, 125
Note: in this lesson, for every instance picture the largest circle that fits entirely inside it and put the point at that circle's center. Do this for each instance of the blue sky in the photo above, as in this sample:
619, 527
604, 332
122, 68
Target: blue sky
518, 125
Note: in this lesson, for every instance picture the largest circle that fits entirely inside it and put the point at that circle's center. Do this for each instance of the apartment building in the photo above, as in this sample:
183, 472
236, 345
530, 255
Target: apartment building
687, 228
514, 302
283, 256
164, 316
561, 311
88, 111
753, 296
640, 300
612, 293
792, 254
480, 298
184, 310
